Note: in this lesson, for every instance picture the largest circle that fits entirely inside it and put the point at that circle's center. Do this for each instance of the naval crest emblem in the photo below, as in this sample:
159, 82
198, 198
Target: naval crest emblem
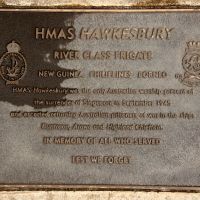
191, 64
13, 64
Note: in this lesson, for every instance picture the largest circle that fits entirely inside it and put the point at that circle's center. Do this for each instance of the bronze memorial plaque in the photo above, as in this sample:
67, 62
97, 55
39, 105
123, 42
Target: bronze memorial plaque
100, 99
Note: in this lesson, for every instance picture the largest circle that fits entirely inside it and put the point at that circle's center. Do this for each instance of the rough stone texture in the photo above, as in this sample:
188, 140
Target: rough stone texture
85, 3
97, 196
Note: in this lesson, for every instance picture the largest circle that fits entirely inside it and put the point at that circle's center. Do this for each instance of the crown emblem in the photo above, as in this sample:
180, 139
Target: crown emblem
13, 47
193, 46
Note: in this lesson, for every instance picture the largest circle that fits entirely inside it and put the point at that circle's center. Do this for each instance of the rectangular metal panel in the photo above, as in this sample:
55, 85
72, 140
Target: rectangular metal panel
100, 98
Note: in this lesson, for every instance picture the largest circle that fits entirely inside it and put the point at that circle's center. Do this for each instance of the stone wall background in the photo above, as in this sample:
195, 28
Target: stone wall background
97, 3
97, 195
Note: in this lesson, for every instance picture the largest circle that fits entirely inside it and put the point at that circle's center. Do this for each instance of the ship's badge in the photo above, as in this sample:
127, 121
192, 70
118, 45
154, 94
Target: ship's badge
191, 64
13, 64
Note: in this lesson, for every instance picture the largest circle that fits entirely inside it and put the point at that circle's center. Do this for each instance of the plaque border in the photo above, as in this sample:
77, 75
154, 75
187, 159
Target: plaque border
98, 187
107, 10
102, 187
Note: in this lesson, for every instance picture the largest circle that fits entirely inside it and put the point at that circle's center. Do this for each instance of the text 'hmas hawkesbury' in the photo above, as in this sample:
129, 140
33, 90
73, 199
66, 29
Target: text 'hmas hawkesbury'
103, 33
